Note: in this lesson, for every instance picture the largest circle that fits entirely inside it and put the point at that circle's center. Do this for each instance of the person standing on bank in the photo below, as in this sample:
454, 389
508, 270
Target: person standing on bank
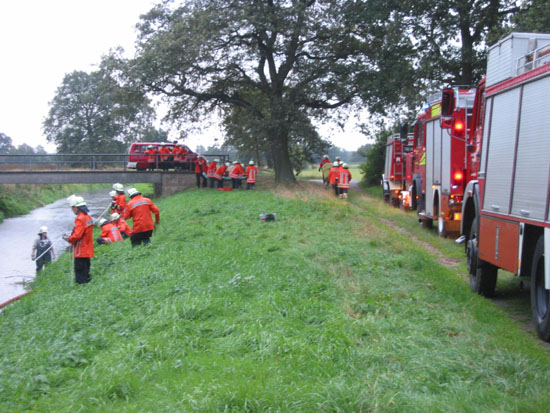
139, 209
251, 172
81, 239
200, 171
42, 249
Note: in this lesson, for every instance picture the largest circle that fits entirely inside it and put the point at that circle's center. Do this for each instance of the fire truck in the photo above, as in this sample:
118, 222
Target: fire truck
393, 179
436, 167
506, 208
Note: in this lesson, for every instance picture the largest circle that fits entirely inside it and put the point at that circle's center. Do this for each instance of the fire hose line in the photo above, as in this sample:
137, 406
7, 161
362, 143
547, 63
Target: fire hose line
11, 300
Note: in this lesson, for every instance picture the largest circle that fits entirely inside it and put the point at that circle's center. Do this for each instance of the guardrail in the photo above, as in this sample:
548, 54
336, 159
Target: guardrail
74, 162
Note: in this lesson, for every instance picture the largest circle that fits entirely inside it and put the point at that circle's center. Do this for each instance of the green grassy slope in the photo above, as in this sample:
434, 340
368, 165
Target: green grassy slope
326, 309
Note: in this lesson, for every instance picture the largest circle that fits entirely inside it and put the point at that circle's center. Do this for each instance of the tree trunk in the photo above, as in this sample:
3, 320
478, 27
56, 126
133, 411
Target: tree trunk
284, 172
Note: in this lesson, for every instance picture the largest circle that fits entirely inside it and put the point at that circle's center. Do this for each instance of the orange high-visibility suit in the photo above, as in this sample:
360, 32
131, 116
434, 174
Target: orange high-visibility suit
82, 236
109, 231
139, 209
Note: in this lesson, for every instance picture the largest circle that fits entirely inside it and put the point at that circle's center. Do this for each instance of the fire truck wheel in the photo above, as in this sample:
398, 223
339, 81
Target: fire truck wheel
483, 276
427, 222
540, 296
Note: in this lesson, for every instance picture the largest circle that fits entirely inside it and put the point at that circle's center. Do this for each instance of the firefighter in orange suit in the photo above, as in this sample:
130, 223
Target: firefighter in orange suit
139, 209
324, 161
81, 239
151, 153
220, 172
177, 153
333, 176
200, 171
344, 179
251, 172
109, 232
235, 172
211, 172
120, 199
165, 153
122, 225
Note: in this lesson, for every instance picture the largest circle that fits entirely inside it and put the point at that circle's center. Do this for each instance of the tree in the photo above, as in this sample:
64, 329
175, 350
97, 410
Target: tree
373, 168
533, 17
6, 145
93, 113
299, 58
452, 36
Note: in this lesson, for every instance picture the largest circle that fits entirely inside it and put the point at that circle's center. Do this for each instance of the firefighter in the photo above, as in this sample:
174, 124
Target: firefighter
81, 239
121, 224
333, 176
177, 152
344, 178
323, 161
235, 173
120, 199
220, 172
140, 209
165, 154
200, 171
151, 153
109, 232
251, 172
339, 160
42, 249
211, 172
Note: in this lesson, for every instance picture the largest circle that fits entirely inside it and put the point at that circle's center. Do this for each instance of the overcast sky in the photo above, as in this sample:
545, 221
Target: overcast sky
42, 40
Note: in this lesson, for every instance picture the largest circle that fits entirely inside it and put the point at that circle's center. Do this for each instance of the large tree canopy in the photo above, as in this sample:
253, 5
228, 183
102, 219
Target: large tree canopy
300, 58
93, 113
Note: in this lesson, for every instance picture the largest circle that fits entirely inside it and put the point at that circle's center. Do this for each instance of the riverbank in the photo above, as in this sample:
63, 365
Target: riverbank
321, 310
21, 199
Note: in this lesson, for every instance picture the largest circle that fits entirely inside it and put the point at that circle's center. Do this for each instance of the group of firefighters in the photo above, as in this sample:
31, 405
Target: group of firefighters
166, 157
339, 176
217, 172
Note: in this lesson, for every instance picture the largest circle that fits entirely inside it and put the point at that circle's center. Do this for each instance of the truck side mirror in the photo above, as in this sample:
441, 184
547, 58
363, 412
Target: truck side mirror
447, 102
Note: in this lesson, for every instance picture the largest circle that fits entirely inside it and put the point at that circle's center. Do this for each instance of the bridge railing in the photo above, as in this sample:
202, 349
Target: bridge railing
73, 162
64, 162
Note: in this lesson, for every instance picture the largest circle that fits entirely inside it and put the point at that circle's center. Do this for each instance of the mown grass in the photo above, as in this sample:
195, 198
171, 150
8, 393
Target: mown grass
324, 310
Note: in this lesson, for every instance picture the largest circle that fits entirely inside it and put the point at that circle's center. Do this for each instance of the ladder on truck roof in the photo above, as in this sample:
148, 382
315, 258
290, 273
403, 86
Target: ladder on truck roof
531, 60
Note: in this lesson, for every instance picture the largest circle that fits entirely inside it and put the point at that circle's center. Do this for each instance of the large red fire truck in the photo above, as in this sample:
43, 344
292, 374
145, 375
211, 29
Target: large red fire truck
436, 168
506, 206
393, 179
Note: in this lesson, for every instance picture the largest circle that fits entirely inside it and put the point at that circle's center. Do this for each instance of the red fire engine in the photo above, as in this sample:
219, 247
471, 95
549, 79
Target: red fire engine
393, 179
506, 208
436, 169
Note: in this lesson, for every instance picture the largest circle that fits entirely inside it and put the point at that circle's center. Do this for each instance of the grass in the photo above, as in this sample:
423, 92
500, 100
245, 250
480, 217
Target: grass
326, 309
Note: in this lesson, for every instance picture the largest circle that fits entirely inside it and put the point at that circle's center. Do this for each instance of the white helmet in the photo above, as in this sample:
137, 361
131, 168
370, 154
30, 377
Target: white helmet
216, 160
43, 229
227, 164
325, 156
101, 222
76, 201
112, 193
235, 162
115, 216
132, 191
335, 163
345, 166
251, 163
118, 187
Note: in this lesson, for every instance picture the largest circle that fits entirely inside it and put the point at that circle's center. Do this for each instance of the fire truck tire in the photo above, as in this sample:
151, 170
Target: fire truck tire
427, 222
413, 198
540, 296
483, 275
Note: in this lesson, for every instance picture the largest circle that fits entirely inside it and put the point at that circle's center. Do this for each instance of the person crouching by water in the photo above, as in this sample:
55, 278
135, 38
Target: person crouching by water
42, 249
81, 239
139, 209
109, 232
122, 225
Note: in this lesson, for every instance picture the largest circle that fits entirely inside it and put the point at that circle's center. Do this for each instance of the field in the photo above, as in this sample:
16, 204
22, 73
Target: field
334, 307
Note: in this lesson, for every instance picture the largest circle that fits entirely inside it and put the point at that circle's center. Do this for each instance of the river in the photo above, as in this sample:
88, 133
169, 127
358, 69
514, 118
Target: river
17, 236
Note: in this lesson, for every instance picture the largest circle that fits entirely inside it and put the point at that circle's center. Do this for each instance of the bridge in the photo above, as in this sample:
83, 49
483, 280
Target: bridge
90, 168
